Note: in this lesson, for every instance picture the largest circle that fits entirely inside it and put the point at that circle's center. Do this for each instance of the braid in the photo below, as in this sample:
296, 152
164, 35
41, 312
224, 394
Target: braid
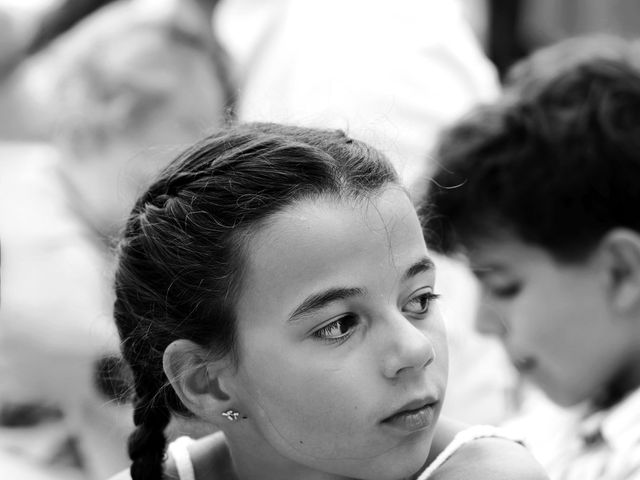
147, 442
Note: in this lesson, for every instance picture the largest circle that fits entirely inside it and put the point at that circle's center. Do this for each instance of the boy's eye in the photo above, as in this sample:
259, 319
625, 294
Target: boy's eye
504, 291
419, 304
337, 330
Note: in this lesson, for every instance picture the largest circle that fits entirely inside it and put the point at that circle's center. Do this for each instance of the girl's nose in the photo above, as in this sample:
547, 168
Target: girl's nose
408, 349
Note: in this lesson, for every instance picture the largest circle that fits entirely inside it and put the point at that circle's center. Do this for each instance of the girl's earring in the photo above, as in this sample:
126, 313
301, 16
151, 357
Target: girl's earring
231, 415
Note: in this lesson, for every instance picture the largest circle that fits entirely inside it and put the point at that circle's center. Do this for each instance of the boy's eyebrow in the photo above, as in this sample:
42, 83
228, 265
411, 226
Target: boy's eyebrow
423, 265
319, 300
481, 272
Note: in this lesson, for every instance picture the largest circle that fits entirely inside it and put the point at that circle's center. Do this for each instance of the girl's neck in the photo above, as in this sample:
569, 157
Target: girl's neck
252, 462
213, 457
216, 457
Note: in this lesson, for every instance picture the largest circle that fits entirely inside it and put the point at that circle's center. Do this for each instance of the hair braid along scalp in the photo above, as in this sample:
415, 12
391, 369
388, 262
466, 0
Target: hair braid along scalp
180, 259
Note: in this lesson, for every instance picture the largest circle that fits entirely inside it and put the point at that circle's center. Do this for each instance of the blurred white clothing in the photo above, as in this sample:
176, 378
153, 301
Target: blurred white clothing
388, 72
574, 445
55, 319
56, 311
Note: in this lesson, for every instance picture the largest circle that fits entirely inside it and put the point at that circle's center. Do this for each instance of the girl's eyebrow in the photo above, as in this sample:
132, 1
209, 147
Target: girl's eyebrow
319, 300
423, 265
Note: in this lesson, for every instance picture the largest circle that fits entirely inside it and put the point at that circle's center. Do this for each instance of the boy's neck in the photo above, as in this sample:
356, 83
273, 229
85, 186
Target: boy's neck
624, 383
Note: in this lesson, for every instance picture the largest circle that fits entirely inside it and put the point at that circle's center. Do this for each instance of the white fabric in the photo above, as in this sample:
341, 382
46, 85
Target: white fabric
178, 450
557, 439
389, 72
462, 438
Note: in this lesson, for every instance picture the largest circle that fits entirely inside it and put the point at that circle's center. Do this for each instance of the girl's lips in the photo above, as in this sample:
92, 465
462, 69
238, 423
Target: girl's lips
412, 420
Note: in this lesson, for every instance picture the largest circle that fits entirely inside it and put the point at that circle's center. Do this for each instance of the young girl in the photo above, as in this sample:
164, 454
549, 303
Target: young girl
274, 282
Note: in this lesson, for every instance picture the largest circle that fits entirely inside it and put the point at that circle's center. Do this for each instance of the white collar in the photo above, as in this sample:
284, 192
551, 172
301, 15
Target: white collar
618, 426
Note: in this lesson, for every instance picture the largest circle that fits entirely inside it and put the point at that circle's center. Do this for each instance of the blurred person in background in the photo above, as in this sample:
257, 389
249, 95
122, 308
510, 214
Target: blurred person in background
395, 73
32, 28
545, 22
539, 192
155, 84
123, 86
40, 27
16, 468
515, 28
392, 74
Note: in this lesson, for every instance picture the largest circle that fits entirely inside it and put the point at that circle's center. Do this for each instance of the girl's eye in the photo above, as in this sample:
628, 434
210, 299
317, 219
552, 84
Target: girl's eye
419, 304
337, 330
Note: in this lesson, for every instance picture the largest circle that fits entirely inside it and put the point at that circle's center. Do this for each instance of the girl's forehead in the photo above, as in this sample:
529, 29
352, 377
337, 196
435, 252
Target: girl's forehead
325, 213
317, 231
327, 244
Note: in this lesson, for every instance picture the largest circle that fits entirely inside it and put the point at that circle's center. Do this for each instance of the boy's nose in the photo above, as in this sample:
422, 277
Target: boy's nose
409, 349
491, 320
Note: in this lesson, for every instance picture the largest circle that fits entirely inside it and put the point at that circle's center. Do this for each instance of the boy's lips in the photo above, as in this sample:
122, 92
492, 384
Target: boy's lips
524, 364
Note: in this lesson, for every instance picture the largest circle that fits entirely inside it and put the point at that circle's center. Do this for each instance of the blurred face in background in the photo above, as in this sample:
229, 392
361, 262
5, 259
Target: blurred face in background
553, 318
148, 94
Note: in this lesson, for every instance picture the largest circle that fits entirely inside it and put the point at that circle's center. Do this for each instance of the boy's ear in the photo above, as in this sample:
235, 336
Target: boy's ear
196, 378
621, 248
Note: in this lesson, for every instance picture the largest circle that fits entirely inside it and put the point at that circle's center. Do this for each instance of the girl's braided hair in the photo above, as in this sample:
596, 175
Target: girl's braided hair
181, 255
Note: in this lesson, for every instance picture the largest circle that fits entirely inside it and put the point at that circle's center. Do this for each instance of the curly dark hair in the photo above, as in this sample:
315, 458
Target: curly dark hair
555, 162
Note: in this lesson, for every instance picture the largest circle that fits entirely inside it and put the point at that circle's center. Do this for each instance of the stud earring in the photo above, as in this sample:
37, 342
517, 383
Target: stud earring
231, 415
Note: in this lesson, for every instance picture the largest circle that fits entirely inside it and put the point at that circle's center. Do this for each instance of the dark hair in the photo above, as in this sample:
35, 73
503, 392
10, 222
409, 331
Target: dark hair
181, 255
555, 162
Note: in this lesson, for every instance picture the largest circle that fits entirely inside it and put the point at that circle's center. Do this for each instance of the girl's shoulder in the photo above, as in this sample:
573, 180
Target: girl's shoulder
491, 458
482, 452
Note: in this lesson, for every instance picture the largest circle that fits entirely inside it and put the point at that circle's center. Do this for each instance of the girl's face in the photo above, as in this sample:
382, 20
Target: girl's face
343, 356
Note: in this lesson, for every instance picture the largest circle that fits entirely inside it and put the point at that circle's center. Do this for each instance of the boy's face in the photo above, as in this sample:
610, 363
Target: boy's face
554, 319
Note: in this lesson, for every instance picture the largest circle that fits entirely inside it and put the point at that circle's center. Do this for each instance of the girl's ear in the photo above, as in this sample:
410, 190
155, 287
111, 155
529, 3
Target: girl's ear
621, 248
196, 378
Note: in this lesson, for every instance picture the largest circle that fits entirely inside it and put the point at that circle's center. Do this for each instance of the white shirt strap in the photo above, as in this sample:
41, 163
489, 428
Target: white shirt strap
465, 436
178, 450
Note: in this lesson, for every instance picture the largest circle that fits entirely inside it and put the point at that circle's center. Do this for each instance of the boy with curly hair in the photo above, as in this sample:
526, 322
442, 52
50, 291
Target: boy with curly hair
540, 191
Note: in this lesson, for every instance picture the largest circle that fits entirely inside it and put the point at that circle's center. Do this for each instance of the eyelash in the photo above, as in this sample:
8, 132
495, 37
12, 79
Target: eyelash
350, 321
324, 332
424, 300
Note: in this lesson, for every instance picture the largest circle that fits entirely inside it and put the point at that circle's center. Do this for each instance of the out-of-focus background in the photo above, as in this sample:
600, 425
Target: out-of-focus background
96, 96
